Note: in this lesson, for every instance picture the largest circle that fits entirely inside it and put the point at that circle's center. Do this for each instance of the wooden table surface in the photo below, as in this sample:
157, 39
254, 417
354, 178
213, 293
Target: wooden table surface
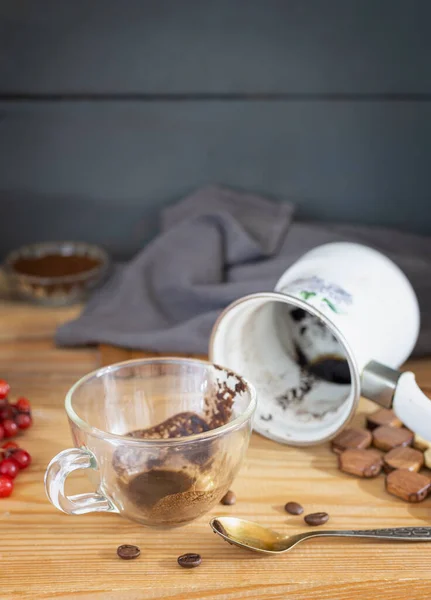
47, 554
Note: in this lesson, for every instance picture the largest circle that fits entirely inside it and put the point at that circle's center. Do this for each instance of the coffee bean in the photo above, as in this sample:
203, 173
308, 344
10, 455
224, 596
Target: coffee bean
229, 498
127, 552
318, 518
219, 527
190, 560
293, 508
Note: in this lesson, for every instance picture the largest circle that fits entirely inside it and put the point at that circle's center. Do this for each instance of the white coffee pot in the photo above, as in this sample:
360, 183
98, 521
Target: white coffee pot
340, 322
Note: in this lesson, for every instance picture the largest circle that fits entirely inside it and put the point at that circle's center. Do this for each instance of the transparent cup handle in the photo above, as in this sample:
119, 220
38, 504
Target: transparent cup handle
56, 474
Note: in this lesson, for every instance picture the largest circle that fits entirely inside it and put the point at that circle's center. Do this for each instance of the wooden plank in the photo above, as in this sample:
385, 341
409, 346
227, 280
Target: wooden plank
102, 171
114, 354
46, 554
224, 47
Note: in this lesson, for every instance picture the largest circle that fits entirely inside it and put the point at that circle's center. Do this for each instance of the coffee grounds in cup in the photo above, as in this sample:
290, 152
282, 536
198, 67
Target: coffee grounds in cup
173, 486
168, 497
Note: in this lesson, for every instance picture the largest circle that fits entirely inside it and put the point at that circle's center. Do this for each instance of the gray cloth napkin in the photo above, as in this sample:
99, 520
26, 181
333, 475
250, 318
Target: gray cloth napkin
216, 246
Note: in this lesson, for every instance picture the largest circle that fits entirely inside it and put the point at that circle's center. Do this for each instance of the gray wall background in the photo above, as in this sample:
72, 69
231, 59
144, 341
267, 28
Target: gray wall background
109, 110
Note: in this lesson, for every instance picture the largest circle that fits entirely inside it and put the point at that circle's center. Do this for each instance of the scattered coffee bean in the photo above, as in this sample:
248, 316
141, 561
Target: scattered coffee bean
386, 438
351, 438
190, 560
420, 443
403, 458
127, 552
219, 527
408, 485
363, 463
293, 508
315, 519
384, 416
229, 498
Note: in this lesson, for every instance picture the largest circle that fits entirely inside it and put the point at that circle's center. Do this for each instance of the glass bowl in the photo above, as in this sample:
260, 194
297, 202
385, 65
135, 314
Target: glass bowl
53, 288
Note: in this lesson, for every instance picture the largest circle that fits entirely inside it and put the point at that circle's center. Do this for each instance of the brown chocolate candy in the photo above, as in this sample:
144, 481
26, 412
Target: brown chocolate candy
362, 463
351, 438
383, 416
386, 437
408, 485
403, 457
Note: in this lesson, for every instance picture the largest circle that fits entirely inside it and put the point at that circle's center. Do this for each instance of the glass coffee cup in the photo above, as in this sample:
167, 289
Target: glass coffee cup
162, 439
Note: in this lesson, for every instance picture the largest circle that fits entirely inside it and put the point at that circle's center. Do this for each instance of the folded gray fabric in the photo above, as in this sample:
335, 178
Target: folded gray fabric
216, 246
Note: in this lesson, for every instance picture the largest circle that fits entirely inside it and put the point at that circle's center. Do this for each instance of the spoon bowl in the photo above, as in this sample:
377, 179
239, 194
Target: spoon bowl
249, 535
252, 536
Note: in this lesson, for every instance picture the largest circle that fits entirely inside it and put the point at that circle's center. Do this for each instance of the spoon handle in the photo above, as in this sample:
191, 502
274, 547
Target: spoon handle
406, 534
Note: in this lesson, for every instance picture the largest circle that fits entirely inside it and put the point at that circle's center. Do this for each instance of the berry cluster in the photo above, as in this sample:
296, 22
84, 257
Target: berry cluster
13, 417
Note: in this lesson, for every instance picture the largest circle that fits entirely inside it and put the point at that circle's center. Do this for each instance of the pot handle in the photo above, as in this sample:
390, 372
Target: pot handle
392, 389
411, 405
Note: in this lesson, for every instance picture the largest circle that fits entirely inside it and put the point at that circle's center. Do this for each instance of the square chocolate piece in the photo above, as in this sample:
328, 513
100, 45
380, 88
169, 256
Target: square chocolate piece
351, 438
386, 438
408, 485
363, 463
383, 416
403, 457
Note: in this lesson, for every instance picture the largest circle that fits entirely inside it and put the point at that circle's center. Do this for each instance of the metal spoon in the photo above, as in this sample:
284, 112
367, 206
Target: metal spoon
252, 536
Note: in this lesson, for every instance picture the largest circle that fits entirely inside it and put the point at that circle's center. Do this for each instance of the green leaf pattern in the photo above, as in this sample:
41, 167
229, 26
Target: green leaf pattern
306, 295
316, 290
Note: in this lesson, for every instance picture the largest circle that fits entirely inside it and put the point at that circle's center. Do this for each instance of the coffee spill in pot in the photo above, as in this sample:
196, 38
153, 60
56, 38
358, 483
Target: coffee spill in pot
333, 369
330, 367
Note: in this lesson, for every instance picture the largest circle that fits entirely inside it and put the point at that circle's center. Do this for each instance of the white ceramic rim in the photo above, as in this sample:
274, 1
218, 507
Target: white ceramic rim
299, 303
124, 439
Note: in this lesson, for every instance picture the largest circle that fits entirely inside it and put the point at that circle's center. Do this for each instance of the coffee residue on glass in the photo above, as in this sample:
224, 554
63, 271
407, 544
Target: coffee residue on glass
55, 265
169, 487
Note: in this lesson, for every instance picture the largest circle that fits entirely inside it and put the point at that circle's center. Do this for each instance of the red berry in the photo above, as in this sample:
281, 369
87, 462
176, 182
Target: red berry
9, 467
6, 486
1, 432
23, 405
4, 388
6, 412
23, 420
22, 458
10, 428
10, 445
